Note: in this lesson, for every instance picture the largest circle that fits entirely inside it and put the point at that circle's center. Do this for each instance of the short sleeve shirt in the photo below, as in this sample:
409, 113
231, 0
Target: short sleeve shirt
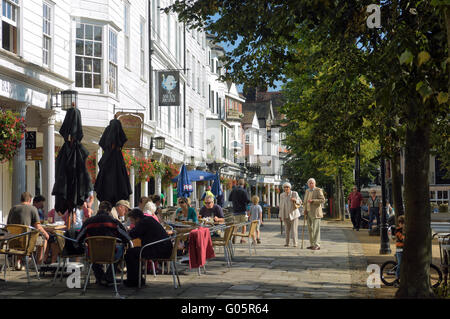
355, 199
255, 210
211, 212
23, 215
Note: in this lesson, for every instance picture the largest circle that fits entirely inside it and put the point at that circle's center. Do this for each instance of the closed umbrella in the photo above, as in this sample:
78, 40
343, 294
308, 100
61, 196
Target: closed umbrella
112, 183
184, 186
72, 181
216, 189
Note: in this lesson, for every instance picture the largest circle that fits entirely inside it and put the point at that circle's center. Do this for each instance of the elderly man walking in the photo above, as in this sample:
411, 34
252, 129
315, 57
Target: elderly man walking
289, 213
314, 199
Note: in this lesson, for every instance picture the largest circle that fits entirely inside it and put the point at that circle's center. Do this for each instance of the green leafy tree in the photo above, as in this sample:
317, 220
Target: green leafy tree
404, 62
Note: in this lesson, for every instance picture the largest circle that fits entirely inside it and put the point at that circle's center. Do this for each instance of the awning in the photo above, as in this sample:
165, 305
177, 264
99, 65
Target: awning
196, 176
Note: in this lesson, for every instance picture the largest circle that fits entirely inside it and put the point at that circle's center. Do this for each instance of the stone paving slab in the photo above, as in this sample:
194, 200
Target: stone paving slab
275, 272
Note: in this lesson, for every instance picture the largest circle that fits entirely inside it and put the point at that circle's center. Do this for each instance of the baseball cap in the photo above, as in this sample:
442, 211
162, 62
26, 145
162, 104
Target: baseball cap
124, 203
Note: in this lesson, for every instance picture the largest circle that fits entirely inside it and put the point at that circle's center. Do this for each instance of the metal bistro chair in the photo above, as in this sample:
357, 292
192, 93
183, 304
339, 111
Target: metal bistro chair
22, 246
101, 250
225, 242
63, 255
172, 260
169, 230
249, 235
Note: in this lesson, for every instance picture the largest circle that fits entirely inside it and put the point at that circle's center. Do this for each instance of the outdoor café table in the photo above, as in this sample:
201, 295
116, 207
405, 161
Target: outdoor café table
52, 227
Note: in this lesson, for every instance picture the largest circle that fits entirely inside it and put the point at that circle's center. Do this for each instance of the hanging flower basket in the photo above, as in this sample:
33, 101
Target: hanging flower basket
12, 132
170, 171
130, 160
91, 164
145, 171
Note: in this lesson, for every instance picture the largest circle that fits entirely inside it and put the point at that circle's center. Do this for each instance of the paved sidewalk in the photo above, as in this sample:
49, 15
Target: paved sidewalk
338, 270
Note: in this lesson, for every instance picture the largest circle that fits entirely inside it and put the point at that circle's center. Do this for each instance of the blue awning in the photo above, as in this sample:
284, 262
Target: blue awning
196, 176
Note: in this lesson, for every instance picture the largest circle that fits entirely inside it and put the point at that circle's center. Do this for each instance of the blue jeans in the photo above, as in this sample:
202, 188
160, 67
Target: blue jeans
398, 255
374, 213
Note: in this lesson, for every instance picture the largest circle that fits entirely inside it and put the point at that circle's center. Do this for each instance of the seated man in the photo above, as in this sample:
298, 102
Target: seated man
26, 214
148, 230
103, 224
212, 210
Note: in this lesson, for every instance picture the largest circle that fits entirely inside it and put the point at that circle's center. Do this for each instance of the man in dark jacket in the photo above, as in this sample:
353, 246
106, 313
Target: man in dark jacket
148, 230
239, 198
103, 224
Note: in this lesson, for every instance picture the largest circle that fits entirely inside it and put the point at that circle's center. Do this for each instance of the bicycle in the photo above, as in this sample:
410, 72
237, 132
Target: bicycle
389, 268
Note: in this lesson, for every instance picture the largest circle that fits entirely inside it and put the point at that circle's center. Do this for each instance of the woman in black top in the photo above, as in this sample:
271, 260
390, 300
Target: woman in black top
148, 230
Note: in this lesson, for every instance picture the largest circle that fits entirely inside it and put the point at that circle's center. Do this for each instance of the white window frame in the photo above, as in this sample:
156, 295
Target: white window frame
142, 33
83, 56
13, 21
202, 131
191, 127
193, 72
126, 32
47, 34
113, 62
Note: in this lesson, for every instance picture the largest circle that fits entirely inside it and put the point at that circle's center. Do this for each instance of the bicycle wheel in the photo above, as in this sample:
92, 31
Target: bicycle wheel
435, 276
387, 272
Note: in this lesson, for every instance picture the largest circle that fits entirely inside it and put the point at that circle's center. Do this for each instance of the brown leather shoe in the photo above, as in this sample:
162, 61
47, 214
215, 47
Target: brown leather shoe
316, 248
310, 247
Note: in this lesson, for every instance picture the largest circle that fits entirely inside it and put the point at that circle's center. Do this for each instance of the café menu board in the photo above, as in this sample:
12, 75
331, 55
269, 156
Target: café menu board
132, 125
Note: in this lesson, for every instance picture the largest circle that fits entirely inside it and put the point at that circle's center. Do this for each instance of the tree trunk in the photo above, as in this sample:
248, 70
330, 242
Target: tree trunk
416, 259
397, 185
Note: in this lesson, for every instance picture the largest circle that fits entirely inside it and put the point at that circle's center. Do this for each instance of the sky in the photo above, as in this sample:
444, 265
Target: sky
228, 48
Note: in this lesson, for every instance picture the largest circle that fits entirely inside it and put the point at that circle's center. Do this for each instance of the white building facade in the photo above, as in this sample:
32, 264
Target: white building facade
110, 52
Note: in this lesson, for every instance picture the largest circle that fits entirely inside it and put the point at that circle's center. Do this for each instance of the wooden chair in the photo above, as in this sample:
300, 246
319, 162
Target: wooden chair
101, 250
225, 242
22, 246
249, 235
172, 260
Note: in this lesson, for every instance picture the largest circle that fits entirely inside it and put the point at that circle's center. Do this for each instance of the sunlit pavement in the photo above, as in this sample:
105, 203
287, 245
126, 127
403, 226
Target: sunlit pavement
337, 270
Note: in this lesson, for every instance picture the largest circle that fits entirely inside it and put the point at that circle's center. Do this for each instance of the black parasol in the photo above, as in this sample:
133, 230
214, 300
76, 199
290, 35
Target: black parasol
112, 183
72, 181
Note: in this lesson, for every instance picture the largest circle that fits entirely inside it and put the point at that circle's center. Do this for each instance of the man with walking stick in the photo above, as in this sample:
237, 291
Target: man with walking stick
314, 199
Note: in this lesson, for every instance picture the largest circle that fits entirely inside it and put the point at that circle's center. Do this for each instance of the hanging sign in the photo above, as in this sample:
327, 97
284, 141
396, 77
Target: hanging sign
169, 88
132, 125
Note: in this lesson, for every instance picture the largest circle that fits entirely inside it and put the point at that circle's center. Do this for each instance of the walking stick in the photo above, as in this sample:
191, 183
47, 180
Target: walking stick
303, 229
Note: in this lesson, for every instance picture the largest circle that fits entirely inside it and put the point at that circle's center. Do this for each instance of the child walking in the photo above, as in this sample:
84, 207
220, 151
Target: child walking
400, 238
256, 214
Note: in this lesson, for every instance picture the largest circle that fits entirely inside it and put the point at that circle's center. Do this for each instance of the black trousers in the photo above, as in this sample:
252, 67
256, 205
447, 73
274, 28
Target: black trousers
355, 215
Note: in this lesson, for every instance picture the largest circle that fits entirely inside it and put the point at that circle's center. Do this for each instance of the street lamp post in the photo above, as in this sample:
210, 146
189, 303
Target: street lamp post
385, 248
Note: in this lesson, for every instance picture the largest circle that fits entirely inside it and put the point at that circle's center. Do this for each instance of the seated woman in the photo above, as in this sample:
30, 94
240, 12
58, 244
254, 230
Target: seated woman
149, 210
148, 231
185, 212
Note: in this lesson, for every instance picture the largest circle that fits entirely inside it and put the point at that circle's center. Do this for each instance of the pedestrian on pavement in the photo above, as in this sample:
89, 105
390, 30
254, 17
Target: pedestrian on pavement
354, 201
314, 199
374, 205
207, 193
289, 212
240, 200
148, 230
26, 214
256, 214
